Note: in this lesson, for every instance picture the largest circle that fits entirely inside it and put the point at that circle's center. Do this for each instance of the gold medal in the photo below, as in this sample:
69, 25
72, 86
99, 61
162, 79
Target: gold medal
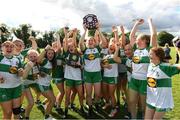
152, 82
13, 70
136, 59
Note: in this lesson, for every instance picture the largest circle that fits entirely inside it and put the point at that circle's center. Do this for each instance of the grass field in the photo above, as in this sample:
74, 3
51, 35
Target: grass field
174, 114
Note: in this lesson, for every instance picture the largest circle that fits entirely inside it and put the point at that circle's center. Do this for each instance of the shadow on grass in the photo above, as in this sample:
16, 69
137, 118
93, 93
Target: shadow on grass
100, 114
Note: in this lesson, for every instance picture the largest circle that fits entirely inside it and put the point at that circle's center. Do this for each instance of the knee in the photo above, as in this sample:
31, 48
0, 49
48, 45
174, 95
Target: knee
7, 112
31, 103
132, 101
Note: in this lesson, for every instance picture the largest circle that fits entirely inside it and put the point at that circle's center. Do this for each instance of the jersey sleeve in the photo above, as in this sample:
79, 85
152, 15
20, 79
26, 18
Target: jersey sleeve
170, 70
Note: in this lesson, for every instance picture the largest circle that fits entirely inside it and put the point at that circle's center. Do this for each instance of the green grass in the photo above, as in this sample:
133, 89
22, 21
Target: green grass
174, 114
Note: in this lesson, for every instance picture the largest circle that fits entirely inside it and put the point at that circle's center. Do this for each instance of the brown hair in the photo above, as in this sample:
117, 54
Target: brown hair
159, 53
146, 38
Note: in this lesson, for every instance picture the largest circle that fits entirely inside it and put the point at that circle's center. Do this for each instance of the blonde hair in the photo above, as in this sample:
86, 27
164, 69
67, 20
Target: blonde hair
32, 51
18, 40
7, 42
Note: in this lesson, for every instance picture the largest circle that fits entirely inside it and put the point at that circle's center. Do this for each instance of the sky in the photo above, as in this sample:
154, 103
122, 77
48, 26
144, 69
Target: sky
53, 14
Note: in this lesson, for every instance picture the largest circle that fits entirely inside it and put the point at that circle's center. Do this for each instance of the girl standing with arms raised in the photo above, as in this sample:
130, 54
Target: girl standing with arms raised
140, 64
92, 68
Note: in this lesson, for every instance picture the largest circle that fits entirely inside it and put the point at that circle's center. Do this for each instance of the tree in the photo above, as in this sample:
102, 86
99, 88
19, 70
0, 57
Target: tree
165, 37
23, 33
4, 33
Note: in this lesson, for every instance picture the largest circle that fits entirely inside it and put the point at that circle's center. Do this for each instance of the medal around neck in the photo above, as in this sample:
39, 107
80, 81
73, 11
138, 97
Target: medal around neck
90, 21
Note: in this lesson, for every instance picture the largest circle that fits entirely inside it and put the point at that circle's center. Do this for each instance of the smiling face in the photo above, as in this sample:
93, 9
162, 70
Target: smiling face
141, 41
8, 48
19, 45
50, 54
111, 48
90, 42
153, 58
105, 44
156, 55
54, 46
33, 56
128, 50
71, 47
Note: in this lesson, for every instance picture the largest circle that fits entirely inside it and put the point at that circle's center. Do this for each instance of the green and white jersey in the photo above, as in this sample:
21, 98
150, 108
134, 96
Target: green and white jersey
113, 72
8, 70
20, 57
159, 89
46, 69
128, 63
32, 75
122, 66
140, 64
92, 60
58, 72
104, 52
72, 71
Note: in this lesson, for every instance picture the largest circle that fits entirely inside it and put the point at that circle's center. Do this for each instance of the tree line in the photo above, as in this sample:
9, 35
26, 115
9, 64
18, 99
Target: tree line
43, 38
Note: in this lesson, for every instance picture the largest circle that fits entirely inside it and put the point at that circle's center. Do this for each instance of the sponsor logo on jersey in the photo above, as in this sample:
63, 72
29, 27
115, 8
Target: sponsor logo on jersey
91, 56
152, 82
13, 70
136, 59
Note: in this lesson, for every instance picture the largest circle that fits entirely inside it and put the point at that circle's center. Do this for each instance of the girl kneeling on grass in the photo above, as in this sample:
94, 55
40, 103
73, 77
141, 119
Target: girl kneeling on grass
159, 89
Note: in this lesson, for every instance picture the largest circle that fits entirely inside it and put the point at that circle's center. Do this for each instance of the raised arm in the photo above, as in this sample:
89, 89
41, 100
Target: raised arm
101, 36
81, 42
134, 30
175, 40
122, 39
33, 41
116, 57
153, 40
27, 69
115, 31
96, 37
65, 45
58, 42
42, 54
74, 36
